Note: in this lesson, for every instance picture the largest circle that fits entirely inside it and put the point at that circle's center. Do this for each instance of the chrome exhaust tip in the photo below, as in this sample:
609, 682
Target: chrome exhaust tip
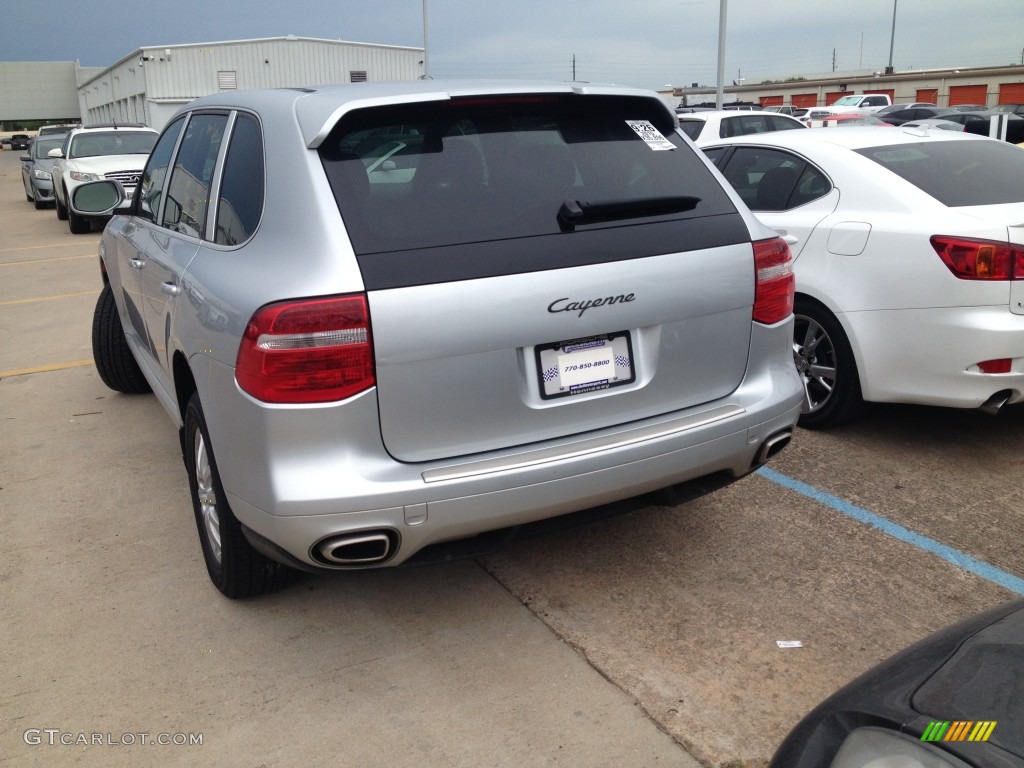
994, 404
772, 446
358, 548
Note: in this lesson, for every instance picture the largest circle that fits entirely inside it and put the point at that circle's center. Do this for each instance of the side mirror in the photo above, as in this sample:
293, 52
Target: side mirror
99, 198
55, 153
26, 159
172, 212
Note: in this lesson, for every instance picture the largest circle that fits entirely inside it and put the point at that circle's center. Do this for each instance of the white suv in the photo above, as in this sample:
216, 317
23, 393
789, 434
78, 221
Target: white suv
98, 152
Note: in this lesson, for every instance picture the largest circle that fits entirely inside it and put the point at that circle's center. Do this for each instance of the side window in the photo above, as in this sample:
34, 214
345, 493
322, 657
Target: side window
241, 191
151, 186
716, 155
782, 124
772, 180
730, 127
692, 128
188, 193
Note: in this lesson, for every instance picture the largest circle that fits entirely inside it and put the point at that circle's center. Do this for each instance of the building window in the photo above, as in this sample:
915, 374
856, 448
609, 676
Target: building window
357, 76
227, 81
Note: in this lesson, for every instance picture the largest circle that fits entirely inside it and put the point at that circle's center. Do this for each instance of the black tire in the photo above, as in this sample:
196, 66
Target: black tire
235, 568
62, 212
114, 360
77, 224
825, 362
29, 197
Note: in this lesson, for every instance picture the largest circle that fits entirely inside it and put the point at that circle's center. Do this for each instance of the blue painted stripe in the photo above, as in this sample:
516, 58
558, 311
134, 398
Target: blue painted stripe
954, 556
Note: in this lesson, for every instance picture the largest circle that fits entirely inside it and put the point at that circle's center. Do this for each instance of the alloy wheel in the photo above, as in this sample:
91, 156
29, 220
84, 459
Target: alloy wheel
207, 496
815, 356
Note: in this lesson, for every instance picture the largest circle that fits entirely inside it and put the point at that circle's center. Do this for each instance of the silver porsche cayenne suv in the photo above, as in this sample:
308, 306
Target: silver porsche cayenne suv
389, 316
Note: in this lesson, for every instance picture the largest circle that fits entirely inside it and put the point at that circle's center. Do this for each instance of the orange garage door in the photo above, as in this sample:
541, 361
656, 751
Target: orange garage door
805, 100
771, 101
928, 95
968, 94
1011, 93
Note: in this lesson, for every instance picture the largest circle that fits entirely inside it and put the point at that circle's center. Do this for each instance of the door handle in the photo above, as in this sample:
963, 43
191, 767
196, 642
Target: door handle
170, 289
137, 263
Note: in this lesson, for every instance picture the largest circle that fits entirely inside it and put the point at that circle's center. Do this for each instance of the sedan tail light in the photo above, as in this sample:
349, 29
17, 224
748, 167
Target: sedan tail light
310, 351
980, 259
775, 286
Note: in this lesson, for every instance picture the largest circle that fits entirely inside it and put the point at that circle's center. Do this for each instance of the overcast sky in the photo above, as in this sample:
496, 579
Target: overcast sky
648, 44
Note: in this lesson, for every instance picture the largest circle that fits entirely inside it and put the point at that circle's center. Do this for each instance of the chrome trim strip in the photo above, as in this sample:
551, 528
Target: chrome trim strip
582, 448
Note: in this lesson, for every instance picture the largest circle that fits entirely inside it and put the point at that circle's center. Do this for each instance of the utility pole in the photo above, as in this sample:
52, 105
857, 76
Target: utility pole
720, 88
833, 59
892, 40
574, 67
426, 45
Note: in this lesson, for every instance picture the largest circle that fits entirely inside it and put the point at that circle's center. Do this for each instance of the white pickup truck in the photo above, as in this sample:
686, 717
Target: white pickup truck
860, 102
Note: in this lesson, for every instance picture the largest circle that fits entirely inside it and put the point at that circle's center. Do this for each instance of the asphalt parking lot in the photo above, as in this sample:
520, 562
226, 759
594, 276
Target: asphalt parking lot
645, 639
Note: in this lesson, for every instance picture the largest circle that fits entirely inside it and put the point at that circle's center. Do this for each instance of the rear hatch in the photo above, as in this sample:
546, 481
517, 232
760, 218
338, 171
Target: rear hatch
538, 267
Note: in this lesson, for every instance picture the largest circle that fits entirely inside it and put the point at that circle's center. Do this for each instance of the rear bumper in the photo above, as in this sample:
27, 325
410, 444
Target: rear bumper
930, 356
295, 476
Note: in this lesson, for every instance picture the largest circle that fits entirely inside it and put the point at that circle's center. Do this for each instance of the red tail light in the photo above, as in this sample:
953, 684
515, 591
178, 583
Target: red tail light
980, 259
1002, 365
312, 351
775, 286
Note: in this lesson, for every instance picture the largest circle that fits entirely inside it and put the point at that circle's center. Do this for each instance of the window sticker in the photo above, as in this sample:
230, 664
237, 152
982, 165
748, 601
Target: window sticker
646, 131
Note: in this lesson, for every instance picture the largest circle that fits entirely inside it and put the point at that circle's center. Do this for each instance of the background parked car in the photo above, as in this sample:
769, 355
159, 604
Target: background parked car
897, 107
910, 288
61, 128
716, 124
900, 116
850, 119
1015, 109
981, 123
98, 152
817, 114
934, 122
950, 701
782, 110
20, 140
547, 314
861, 102
37, 168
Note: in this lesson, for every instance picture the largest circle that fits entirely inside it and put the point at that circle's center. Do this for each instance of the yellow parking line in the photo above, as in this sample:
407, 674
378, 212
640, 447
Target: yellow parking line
48, 298
40, 261
75, 243
44, 368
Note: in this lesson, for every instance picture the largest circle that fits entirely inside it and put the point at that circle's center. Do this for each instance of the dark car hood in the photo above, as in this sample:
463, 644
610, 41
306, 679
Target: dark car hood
984, 680
972, 670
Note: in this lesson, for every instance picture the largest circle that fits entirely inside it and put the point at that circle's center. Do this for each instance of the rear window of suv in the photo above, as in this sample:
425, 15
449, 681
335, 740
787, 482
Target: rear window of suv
957, 173
486, 171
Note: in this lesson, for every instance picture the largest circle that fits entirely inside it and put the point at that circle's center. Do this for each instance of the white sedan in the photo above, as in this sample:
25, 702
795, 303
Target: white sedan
909, 249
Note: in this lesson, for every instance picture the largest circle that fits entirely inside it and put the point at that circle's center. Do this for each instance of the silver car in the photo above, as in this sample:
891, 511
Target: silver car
36, 168
389, 316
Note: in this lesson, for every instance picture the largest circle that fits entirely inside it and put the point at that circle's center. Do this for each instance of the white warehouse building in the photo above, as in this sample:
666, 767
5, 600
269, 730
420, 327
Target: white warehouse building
149, 84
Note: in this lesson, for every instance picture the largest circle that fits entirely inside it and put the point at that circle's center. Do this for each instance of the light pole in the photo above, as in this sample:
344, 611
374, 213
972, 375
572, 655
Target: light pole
719, 90
892, 40
426, 39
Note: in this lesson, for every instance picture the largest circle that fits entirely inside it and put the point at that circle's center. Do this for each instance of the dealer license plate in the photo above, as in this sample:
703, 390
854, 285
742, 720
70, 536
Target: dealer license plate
590, 364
